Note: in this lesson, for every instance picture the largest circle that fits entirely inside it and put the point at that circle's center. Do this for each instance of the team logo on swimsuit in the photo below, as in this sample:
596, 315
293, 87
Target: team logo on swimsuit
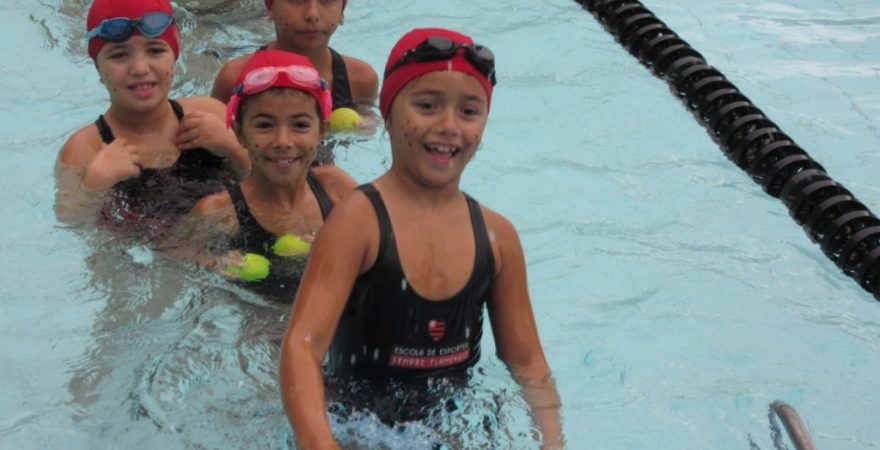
436, 328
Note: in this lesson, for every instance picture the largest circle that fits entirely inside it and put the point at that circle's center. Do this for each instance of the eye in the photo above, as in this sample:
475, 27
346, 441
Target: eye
157, 48
117, 55
425, 105
302, 125
262, 124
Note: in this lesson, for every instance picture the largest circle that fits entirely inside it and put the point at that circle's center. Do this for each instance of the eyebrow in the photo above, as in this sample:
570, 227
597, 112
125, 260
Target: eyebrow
442, 93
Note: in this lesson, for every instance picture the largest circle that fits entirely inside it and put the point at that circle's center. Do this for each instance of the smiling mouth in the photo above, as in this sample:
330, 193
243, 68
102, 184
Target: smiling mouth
142, 86
287, 160
443, 150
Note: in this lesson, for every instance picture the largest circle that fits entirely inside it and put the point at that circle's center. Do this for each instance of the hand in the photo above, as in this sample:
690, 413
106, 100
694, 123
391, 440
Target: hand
114, 162
205, 130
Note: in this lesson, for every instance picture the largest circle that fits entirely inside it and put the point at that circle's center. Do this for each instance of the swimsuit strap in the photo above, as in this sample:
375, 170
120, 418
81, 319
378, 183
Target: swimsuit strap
103, 128
324, 201
482, 244
386, 236
341, 87
178, 110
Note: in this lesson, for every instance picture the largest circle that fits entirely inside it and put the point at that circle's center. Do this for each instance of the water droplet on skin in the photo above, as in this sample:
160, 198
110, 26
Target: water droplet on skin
308, 338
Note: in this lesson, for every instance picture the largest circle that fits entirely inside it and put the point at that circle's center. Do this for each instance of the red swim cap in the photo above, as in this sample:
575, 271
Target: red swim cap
132, 9
410, 70
304, 78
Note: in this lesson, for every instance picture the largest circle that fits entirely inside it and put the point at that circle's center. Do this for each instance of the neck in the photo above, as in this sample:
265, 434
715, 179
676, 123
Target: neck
423, 194
283, 196
141, 122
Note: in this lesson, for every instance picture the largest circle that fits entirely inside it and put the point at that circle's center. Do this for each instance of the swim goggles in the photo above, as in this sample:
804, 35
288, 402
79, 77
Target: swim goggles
299, 77
119, 29
437, 48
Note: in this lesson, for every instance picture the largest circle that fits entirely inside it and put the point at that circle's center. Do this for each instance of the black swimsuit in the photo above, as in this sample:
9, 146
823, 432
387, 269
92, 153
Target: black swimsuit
397, 354
389, 331
146, 206
285, 272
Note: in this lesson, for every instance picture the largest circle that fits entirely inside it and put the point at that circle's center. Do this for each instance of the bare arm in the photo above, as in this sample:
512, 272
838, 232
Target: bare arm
363, 81
223, 83
338, 255
211, 221
516, 333
85, 171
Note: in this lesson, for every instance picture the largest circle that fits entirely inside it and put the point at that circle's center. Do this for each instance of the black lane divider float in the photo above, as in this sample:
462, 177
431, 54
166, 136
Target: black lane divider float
847, 232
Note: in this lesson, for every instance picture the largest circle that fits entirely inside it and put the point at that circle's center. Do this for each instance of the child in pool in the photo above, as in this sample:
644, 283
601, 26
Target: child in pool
145, 162
279, 113
305, 27
398, 276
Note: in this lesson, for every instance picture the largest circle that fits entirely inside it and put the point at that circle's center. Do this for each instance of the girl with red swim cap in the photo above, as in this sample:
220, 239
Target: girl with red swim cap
145, 162
395, 286
279, 113
305, 27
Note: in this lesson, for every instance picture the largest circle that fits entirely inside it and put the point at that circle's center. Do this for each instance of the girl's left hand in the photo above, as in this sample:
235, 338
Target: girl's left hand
205, 130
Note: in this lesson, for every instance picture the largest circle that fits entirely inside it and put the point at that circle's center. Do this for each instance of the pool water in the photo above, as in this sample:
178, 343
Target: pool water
675, 299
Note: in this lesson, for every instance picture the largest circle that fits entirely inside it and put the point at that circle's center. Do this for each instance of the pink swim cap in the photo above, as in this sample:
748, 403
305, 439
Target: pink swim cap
303, 76
410, 70
131, 9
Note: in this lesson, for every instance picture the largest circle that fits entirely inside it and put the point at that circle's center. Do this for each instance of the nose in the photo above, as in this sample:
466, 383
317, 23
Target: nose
139, 65
448, 122
313, 12
284, 139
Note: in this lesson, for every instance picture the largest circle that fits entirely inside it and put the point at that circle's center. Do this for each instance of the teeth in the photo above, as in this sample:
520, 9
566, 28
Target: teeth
442, 148
283, 160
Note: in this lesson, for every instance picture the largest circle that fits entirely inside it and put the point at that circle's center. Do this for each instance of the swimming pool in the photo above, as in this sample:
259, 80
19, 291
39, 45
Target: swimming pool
675, 299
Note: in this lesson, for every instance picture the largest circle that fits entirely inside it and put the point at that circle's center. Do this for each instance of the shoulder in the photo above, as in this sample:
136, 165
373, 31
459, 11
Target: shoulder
498, 224
216, 203
503, 237
223, 83
81, 147
363, 79
337, 182
354, 211
203, 103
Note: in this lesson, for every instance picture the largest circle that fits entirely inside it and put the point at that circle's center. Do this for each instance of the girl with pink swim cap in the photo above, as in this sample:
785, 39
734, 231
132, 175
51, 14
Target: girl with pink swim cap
398, 277
144, 163
279, 113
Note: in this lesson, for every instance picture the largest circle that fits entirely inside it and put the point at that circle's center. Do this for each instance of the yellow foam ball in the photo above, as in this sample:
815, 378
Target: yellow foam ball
253, 267
291, 245
344, 119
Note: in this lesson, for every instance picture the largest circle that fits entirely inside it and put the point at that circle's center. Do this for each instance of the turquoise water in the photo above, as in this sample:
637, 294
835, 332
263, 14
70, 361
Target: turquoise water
675, 299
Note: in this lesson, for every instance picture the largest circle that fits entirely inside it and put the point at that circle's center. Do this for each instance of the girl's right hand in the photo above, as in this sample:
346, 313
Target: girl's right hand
116, 161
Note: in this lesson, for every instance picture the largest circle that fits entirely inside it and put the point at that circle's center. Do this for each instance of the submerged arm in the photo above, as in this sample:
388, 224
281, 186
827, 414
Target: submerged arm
336, 259
85, 172
516, 334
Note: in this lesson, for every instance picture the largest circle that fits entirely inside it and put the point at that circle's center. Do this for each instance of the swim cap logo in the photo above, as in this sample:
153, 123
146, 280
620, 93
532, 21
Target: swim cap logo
436, 329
